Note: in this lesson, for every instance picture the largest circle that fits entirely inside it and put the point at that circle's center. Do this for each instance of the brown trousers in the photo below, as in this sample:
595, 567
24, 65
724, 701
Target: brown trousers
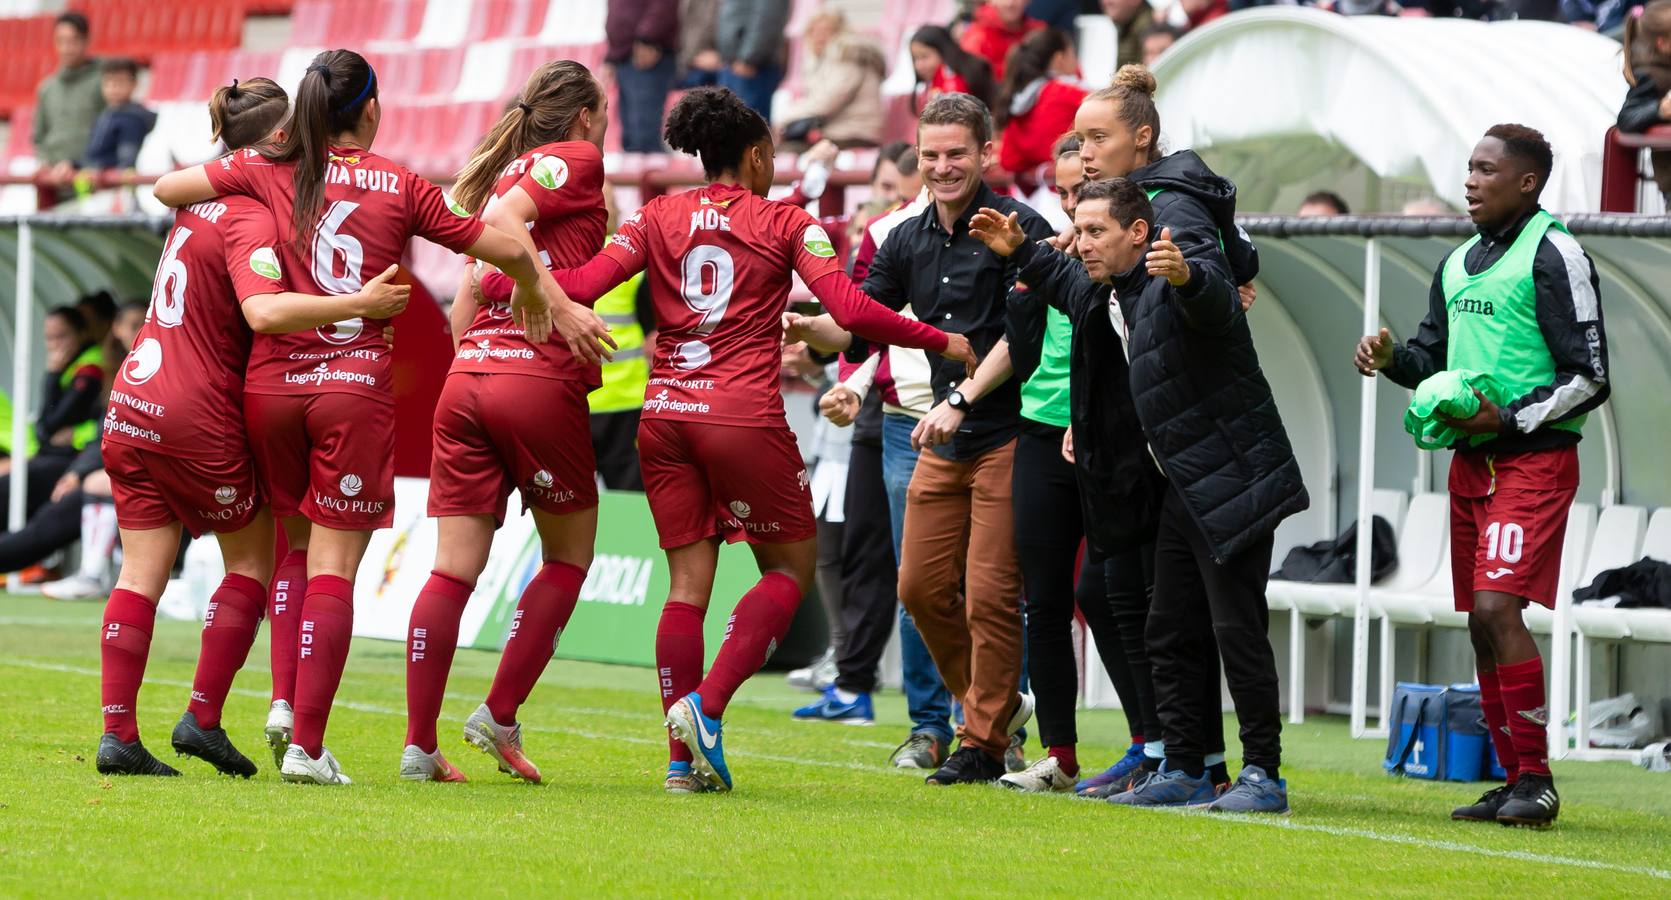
959, 579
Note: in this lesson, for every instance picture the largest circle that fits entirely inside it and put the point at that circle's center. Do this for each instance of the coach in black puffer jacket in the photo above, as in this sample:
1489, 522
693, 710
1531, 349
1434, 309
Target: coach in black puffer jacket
1195, 375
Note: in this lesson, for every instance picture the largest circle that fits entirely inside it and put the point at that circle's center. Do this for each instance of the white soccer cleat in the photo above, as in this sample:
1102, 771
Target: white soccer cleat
1042, 777
75, 587
416, 765
280, 722
502, 742
303, 769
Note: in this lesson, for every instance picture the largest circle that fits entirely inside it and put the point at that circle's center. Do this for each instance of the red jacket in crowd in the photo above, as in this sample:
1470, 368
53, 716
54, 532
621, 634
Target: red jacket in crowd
990, 39
1039, 116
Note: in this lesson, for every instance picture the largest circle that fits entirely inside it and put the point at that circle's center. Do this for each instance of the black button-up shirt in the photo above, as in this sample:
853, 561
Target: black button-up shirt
955, 283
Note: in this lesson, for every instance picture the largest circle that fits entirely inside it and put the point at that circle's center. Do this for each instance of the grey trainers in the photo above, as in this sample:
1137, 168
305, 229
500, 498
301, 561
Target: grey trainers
1254, 792
1015, 760
922, 750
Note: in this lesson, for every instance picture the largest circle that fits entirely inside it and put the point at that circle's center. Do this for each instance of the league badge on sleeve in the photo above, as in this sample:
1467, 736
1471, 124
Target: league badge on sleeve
817, 242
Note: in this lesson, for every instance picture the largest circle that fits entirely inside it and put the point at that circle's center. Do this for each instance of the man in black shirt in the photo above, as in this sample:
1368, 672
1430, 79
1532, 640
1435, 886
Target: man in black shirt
958, 574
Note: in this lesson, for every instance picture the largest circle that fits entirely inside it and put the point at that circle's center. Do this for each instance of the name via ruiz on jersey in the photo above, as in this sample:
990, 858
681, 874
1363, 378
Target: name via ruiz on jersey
365, 179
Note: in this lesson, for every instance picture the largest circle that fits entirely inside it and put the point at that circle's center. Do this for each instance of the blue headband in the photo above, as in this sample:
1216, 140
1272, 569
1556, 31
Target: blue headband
371, 79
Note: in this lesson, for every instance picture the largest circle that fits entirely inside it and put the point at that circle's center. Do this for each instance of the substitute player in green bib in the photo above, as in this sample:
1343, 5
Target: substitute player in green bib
1519, 303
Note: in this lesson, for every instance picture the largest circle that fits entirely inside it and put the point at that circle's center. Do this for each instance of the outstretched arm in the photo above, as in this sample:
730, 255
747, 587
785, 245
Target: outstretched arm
185, 187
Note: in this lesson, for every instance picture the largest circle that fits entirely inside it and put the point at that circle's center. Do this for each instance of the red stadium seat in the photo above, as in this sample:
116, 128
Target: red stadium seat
351, 23
419, 73
507, 19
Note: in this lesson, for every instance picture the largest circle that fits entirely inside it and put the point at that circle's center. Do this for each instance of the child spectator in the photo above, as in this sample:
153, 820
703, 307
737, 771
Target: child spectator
1647, 41
123, 125
998, 26
942, 67
1037, 101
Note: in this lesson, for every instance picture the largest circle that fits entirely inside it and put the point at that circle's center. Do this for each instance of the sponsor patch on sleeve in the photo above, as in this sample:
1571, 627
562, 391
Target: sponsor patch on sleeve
457, 208
551, 172
817, 242
264, 262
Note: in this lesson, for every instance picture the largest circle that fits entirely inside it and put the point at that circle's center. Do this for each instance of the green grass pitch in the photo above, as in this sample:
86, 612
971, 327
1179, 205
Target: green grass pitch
816, 812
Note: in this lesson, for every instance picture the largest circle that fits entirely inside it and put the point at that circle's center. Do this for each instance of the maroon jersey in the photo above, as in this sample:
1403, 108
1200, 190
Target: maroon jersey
181, 388
565, 180
373, 206
720, 259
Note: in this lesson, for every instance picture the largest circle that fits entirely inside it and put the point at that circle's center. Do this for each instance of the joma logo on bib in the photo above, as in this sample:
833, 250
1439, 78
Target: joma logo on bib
1472, 307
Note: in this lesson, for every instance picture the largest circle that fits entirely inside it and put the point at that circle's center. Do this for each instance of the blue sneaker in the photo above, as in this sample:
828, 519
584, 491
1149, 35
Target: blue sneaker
1122, 770
831, 708
1169, 787
702, 735
1254, 792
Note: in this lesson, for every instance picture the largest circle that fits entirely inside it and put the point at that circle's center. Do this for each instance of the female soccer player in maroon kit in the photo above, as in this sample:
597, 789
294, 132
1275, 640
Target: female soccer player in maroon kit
718, 458
174, 442
319, 404
513, 415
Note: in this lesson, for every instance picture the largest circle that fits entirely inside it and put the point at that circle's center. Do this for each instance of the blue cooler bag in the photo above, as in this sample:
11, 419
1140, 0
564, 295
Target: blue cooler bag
1466, 735
1415, 731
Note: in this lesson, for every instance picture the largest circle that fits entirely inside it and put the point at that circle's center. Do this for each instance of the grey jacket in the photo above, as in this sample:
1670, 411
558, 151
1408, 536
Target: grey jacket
67, 104
752, 31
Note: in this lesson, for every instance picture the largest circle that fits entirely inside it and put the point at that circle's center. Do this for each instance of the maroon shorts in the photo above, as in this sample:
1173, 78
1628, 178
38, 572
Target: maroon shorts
495, 433
153, 489
1509, 523
327, 456
741, 483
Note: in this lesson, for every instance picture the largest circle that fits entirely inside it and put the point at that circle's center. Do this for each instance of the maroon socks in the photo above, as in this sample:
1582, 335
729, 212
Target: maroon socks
1521, 687
124, 645
327, 625
542, 612
679, 655
229, 628
284, 613
761, 619
431, 638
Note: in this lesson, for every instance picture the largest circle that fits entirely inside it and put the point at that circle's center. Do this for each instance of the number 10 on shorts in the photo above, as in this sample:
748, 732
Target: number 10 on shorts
1505, 541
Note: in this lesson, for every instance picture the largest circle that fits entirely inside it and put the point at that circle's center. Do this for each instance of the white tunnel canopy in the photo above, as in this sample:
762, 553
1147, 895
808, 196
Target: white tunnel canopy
1284, 99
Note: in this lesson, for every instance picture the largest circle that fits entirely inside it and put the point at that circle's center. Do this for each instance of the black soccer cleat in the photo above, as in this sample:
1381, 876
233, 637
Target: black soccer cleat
968, 765
210, 745
117, 758
1532, 804
1485, 808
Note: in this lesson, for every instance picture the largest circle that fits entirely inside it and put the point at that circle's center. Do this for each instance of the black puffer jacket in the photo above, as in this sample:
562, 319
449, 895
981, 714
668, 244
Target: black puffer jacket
1200, 207
1205, 405
1120, 489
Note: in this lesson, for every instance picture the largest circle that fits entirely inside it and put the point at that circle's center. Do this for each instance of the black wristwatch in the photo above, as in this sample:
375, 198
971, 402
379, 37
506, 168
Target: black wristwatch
957, 401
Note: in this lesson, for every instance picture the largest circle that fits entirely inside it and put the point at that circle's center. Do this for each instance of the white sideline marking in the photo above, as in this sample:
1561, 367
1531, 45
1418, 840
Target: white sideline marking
1268, 822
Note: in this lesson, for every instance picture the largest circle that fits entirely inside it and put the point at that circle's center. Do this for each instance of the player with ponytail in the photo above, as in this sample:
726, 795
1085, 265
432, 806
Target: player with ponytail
320, 403
174, 443
513, 414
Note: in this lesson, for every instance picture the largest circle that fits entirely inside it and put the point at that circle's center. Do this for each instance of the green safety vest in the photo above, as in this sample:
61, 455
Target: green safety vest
87, 432
626, 377
6, 428
1493, 319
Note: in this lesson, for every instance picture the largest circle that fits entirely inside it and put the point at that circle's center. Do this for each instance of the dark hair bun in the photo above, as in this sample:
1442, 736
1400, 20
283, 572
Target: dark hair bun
714, 124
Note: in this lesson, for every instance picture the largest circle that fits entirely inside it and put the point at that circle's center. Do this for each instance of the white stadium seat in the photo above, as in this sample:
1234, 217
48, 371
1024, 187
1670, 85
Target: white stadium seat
1611, 624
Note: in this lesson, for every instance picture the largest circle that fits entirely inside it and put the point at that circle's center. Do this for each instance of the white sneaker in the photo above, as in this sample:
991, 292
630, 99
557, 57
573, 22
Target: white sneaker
817, 676
280, 722
416, 765
502, 742
1044, 776
1023, 714
302, 769
75, 587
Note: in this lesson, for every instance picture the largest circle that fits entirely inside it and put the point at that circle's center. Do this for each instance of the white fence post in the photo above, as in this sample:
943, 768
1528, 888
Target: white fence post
23, 341
1366, 491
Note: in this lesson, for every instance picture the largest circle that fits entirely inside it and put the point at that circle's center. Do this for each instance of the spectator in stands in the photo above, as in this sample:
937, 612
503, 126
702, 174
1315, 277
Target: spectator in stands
699, 60
1322, 203
642, 37
1192, 14
74, 504
943, 67
751, 42
998, 26
1131, 19
122, 127
1157, 39
1647, 41
70, 397
1036, 102
66, 104
841, 74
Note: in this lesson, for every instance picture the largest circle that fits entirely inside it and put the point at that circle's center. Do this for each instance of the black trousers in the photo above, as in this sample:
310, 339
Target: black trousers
44, 471
615, 444
1191, 590
1048, 534
54, 526
869, 576
1128, 577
